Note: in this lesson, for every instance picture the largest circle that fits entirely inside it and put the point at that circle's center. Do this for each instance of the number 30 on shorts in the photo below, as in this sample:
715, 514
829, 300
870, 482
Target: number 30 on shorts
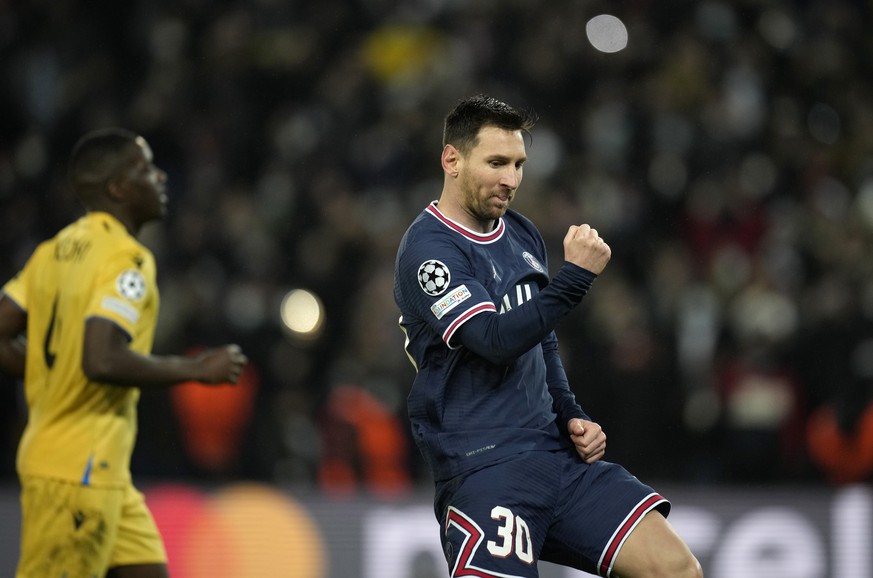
513, 536
513, 533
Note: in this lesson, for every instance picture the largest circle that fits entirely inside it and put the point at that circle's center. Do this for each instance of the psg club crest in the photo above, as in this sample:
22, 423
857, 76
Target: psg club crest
434, 277
532, 261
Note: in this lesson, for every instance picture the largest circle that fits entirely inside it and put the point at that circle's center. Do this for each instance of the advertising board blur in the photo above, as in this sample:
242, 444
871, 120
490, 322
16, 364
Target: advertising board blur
251, 530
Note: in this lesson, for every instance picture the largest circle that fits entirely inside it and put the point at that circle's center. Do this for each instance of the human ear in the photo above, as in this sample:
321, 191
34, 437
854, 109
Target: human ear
115, 188
451, 158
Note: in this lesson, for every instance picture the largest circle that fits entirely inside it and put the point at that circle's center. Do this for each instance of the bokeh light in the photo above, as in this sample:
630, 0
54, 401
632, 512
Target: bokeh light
243, 529
302, 314
606, 33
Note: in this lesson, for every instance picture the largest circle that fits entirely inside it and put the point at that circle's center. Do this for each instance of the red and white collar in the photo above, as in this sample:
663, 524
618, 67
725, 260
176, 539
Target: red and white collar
483, 238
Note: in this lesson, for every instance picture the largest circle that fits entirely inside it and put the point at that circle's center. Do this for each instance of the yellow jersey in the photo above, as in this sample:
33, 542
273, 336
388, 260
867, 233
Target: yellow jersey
79, 430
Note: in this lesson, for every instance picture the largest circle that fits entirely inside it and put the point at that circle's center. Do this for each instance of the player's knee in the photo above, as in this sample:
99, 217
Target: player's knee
676, 564
693, 569
666, 565
681, 565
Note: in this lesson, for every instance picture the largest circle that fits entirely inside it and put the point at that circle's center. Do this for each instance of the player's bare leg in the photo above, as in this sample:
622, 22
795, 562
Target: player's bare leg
655, 550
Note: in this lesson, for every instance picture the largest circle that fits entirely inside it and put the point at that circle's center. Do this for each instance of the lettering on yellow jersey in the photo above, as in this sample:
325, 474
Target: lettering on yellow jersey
71, 249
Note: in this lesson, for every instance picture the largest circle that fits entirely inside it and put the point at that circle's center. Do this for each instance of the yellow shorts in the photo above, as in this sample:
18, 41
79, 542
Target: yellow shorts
77, 531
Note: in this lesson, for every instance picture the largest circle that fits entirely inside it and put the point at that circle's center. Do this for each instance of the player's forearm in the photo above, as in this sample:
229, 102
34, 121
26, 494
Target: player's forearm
13, 322
12, 354
564, 404
500, 338
107, 358
128, 368
563, 399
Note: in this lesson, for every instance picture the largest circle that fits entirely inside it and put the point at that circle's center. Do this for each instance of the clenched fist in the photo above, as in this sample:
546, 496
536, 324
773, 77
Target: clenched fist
585, 248
589, 439
222, 364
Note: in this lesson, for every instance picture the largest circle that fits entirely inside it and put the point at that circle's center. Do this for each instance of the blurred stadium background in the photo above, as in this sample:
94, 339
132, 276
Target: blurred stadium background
723, 148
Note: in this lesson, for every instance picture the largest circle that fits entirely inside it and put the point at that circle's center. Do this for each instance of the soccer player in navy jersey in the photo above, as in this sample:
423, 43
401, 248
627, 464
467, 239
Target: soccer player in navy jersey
516, 461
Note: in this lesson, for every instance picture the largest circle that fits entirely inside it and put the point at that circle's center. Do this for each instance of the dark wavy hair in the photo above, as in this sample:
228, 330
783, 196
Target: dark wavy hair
463, 123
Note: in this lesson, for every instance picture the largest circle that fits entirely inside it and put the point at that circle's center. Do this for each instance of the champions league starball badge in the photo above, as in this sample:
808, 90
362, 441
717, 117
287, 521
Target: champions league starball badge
434, 277
131, 285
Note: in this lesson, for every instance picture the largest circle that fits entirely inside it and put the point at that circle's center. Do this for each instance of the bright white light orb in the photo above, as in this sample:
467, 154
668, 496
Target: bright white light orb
302, 313
606, 33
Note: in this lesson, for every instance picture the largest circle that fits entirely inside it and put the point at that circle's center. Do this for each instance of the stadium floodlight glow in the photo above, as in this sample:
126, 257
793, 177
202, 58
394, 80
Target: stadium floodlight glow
302, 314
606, 33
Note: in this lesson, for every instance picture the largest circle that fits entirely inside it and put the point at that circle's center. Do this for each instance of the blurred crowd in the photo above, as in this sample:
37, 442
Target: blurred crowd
726, 155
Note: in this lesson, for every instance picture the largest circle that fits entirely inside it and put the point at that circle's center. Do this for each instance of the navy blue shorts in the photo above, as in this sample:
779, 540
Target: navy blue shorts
500, 520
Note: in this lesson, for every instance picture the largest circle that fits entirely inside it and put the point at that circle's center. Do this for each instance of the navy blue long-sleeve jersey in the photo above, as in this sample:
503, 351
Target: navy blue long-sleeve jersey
479, 313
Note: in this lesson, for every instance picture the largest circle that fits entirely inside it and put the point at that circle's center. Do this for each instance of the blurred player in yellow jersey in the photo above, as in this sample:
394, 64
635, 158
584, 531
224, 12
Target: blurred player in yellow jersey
77, 323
